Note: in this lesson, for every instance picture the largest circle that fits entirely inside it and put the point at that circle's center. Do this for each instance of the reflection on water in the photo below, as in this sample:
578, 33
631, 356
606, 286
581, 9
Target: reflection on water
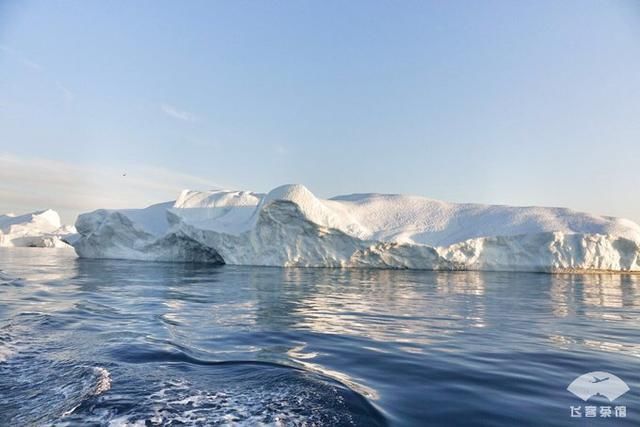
448, 347
609, 298
595, 290
385, 306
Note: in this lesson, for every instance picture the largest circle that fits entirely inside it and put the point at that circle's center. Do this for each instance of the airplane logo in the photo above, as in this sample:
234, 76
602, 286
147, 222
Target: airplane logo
598, 384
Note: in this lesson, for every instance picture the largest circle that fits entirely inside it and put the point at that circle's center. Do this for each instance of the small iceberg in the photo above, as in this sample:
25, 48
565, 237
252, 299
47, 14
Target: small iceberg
41, 229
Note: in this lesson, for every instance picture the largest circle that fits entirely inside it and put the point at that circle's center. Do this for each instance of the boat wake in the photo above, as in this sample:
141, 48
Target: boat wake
41, 385
236, 393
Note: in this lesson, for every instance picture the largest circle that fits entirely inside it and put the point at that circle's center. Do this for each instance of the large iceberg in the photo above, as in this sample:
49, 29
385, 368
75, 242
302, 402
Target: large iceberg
37, 229
291, 227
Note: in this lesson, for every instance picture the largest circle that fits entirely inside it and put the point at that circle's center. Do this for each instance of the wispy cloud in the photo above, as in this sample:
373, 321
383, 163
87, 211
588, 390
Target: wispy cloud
21, 58
66, 92
67, 95
172, 111
30, 184
31, 64
281, 149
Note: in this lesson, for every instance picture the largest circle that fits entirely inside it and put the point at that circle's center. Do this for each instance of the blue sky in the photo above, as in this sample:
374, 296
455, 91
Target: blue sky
527, 103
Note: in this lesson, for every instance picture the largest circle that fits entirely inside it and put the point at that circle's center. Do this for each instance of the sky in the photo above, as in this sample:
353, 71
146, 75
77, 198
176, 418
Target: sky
123, 104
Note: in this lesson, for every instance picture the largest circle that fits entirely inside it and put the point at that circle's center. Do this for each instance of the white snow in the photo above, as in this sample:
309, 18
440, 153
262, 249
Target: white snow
224, 211
290, 226
36, 229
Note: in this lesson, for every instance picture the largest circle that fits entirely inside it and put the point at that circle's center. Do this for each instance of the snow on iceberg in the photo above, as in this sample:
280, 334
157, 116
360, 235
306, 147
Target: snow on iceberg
290, 227
37, 229
138, 234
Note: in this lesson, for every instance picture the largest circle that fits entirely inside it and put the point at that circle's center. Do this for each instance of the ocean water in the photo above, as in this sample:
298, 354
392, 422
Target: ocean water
116, 343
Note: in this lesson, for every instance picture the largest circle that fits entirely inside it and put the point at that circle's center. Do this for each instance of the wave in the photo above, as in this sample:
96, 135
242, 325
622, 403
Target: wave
158, 388
233, 392
43, 388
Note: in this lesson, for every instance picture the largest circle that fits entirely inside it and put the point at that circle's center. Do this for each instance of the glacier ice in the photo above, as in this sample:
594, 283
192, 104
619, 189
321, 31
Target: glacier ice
37, 229
291, 227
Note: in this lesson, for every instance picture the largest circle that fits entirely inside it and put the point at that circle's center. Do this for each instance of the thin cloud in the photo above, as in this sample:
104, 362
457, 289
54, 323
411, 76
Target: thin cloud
66, 92
281, 149
72, 189
171, 111
21, 58
31, 64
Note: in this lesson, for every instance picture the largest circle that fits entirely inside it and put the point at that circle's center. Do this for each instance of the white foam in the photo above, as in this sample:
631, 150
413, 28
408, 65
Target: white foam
104, 380
6, 351
184, 403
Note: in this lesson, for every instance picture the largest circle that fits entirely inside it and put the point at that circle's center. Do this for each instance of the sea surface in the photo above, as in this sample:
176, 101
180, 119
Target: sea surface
117, 343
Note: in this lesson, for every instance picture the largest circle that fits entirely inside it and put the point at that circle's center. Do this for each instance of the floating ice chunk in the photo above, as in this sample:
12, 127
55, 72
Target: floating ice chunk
36, 229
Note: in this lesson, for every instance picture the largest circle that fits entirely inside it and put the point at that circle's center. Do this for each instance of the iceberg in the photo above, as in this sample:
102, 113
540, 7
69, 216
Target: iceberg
41, 229
291, 227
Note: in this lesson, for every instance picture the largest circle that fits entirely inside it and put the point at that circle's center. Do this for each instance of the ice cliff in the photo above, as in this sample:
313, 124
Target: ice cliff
36, 229
290, 226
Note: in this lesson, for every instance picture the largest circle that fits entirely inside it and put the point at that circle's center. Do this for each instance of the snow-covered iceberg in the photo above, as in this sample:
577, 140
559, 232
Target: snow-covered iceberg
290, 226
37, 229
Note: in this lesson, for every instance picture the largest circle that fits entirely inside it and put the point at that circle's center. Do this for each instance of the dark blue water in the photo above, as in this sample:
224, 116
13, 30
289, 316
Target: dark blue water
91, 342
